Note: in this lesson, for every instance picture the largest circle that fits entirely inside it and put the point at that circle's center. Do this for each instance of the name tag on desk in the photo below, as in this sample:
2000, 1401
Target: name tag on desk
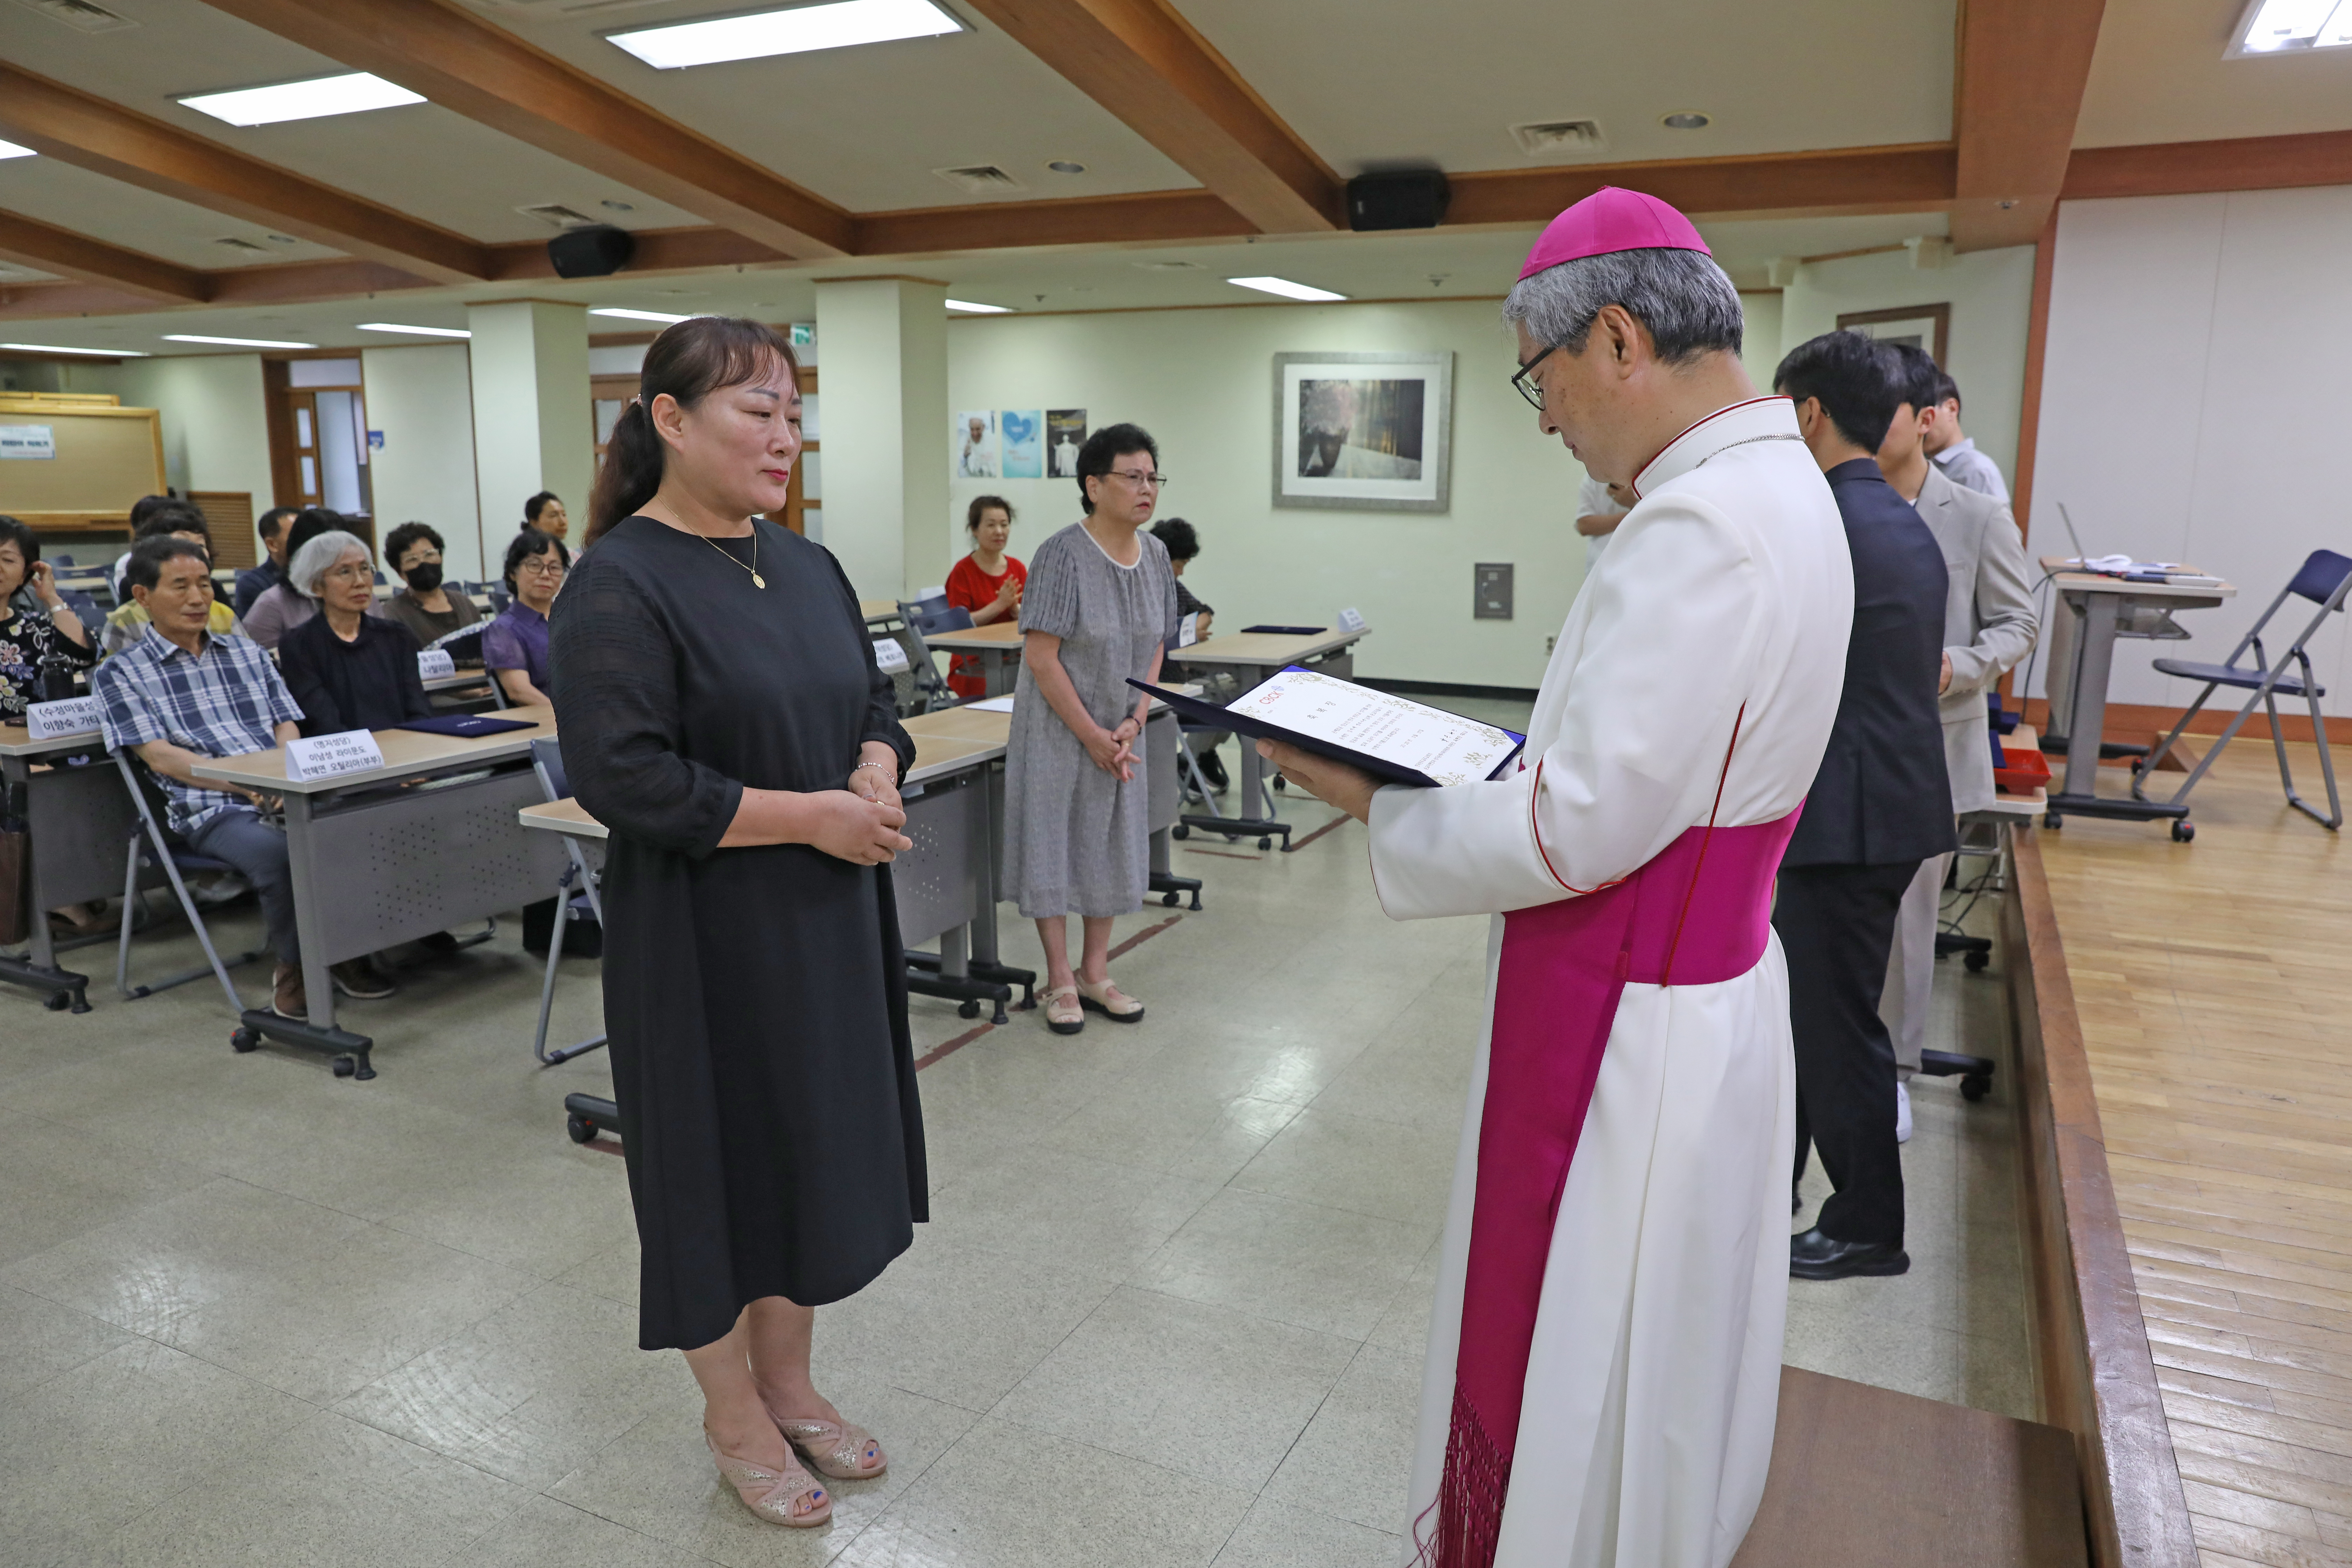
1187, 630
330, 756
67, 716
1350, 621
432, 663
890, 656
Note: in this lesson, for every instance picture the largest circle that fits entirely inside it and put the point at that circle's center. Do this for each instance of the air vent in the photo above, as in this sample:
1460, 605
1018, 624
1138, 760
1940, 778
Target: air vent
1550, 138
1167, 266
557, 216
981, 180
79, 15
244, 245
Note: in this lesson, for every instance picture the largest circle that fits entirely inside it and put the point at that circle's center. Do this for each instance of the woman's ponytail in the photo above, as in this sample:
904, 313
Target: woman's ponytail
630, 474
690, 360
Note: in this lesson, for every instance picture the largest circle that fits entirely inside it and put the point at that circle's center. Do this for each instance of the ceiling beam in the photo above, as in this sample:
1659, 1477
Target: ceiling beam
1144, 63
2022, 65
490, 76
74, 127
2186, 168
1842, 182
1144, 218
31, 243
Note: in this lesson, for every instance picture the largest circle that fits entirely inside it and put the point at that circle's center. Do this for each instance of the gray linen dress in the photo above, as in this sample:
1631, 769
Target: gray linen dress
1076, 839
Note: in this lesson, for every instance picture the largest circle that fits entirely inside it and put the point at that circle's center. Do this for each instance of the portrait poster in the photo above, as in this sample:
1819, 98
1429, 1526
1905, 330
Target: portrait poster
1065, 433
1363, 432
974, 438
1025, 443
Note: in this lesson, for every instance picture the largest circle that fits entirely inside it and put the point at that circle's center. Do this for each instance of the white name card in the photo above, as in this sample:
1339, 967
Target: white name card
1350, 621
330, 756
67, 716
432, 663
1187, 630
890, 656
35, 441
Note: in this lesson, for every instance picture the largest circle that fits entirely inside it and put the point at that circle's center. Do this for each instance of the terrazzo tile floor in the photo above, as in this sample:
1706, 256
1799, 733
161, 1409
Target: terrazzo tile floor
1170, 1308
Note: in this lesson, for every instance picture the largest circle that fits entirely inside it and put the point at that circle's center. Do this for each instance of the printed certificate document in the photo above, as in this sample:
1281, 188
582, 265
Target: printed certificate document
1390, 737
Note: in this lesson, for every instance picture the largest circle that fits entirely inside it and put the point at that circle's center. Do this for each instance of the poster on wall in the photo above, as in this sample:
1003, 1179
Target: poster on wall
974, 439
1065, 432
1025, 443
1363, 432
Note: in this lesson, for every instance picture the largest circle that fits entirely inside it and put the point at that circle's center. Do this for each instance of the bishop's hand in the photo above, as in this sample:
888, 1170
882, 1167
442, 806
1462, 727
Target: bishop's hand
1333, 783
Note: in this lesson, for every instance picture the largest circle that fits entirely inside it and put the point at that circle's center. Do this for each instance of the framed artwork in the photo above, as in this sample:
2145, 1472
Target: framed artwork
1363, 432
1926, 327
1025, 443
973, 437
1065, 433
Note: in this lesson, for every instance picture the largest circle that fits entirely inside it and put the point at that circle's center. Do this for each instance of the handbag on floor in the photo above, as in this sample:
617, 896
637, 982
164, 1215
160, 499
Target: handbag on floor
15, 869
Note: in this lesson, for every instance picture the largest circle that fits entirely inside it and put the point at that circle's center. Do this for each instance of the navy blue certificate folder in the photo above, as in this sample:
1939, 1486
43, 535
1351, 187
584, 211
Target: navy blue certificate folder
464, 726
1213, 717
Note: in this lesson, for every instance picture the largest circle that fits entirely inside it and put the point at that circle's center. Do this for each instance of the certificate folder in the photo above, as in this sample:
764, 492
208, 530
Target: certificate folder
1389, 769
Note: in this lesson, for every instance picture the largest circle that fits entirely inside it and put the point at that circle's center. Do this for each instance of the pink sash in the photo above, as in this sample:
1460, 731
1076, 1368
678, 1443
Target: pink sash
1698, 914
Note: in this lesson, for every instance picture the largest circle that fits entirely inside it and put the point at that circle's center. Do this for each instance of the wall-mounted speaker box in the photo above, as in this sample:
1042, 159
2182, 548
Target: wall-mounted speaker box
597, 251
1410, 198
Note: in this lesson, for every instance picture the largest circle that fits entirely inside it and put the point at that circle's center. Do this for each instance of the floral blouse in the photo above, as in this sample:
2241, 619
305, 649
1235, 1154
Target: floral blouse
25, 641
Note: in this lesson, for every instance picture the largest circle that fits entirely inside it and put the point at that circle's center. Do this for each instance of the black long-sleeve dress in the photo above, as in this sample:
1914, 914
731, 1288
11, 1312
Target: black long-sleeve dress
755, 998
369, 683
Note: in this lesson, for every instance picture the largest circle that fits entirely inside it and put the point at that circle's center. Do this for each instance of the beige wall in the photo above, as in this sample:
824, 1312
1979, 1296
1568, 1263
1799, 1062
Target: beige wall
422, 399
216, 434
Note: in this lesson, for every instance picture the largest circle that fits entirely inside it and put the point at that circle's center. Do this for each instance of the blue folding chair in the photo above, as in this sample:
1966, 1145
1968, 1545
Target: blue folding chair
2324, 580
575, 899
154, 847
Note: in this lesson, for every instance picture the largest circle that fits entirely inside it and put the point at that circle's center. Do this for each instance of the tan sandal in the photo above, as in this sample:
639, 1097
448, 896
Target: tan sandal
790, 1497
836, 1449
1063, 1014
1110, 1001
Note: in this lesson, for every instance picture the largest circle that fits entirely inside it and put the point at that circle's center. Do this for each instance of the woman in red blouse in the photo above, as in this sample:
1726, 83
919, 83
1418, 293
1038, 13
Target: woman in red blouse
987, 582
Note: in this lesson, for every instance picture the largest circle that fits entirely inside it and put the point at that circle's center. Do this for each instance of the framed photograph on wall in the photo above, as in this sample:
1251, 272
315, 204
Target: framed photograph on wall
1363, 432
1926, 327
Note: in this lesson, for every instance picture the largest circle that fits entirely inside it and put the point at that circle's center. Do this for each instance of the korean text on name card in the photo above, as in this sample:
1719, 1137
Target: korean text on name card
67, 716
331, 756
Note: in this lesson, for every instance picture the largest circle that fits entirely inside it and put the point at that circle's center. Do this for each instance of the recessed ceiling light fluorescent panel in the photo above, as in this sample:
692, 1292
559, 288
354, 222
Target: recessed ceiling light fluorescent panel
840, 25
234, 342
2290, 27
59, 348
324, 95
640, 315
419, 331
10, 150
978, 310
1286, 288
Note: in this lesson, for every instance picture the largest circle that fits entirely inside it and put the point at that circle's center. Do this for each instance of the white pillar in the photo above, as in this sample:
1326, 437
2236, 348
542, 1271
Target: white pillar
885, 386
533, 423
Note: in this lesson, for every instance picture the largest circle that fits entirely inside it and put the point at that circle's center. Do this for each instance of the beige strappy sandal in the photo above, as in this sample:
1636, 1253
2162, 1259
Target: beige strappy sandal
790, 1497
1063, 1014
1110, 1001
836, 1450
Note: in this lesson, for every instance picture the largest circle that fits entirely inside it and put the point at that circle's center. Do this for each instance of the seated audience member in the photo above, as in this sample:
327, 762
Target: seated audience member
181, 696
253, 582
347, 669
514, 645
1184, 542
427, 607
128, 623
1953, 453
281, 609
33, 642
544, 512
987, 583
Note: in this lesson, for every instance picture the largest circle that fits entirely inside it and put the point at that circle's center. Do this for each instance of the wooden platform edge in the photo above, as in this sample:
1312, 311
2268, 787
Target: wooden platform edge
2093, 1374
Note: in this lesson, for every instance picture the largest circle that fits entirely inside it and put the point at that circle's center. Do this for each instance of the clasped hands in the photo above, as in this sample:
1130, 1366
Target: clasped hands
1333, 783
1113, 751
866, 825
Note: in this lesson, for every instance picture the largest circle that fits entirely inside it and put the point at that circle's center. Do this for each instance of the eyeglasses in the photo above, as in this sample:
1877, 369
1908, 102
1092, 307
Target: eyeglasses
354, 573
539, 567
416, 558
1142, 480
1531, 390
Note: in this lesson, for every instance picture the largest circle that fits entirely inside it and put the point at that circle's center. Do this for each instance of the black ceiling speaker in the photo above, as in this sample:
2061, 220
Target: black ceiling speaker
1409, 198
598, 251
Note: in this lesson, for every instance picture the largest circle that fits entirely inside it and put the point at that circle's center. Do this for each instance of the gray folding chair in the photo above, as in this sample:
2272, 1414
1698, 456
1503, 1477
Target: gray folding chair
918, 687
575, 899
2324, 580
154, 849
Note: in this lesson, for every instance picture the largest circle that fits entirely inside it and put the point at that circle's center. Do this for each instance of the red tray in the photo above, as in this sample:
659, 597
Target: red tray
2025, 772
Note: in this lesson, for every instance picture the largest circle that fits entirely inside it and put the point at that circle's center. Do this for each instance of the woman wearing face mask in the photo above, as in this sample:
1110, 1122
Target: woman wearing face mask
426, 607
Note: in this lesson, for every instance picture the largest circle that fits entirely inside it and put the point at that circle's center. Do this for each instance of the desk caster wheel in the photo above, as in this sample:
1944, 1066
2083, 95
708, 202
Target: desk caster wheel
1265, 843
1975, 1086
2052, 821
580, 1126
57, 1002
245, 1040
1180, 831
1976, 962
1281, 784
346, 1066
1168, 900
2183, 831
967, 1009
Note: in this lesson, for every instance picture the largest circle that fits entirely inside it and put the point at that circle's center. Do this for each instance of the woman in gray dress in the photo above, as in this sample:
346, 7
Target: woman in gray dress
1100, 607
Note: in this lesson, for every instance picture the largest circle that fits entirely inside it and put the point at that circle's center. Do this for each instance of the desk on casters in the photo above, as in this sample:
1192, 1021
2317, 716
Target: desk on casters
2082, 655
1251, 659
997, 646
396, 853
79, 824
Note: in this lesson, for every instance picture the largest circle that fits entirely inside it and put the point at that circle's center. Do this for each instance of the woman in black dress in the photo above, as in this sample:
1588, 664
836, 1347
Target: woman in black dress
721, 714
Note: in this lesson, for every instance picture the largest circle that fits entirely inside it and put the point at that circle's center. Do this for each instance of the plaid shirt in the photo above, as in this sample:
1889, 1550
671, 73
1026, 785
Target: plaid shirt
224, 704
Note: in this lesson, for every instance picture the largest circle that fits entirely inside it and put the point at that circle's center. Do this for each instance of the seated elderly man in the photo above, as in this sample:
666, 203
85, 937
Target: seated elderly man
349, 670
181, 695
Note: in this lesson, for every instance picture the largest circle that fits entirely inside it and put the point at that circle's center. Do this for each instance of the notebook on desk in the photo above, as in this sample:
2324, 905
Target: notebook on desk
1393, 739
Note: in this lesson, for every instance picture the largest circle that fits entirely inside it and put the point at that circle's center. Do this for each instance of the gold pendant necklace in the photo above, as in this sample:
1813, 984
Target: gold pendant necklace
757, 580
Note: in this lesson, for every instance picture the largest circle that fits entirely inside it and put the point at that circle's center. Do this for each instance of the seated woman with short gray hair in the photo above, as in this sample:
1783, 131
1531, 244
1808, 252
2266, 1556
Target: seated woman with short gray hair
349, 670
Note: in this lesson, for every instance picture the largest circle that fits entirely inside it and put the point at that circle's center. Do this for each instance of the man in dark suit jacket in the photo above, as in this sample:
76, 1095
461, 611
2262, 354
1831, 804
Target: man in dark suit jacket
1880, 805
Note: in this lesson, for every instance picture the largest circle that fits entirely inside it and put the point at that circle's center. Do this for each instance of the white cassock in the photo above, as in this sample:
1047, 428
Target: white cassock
1644, 1429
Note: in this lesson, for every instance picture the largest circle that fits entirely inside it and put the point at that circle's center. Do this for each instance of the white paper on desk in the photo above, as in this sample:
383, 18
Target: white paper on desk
432, 663
1445, 746
890, 656
993, 704
330, 756
67, 716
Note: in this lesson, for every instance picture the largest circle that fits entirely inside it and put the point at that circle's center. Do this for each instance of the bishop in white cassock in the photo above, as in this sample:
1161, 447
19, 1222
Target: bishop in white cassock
1604, 1357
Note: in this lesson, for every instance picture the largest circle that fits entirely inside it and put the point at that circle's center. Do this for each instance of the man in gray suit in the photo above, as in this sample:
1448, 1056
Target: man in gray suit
1989, 625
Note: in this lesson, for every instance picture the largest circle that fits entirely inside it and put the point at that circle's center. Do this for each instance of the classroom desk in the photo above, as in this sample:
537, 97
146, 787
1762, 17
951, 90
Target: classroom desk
80, 823
997, 646
398, 852
2082, 657
1251, 659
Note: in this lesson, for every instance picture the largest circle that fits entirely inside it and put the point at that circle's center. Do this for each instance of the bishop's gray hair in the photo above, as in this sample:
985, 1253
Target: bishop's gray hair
1682, 296
320, 555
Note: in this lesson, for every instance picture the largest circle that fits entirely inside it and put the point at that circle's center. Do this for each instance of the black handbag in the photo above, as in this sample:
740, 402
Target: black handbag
16, 869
